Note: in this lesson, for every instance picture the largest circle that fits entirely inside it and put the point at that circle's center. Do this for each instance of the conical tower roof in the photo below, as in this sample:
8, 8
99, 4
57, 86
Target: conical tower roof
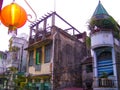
102, 20
100, 10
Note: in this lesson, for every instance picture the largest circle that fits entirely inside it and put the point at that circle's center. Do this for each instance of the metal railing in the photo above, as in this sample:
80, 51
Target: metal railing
104, 82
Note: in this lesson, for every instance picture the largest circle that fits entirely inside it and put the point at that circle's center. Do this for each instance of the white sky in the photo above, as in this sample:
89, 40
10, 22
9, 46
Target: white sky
76, 12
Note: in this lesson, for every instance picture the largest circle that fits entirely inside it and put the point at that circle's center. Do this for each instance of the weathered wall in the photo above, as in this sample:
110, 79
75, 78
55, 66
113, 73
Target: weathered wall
67, 59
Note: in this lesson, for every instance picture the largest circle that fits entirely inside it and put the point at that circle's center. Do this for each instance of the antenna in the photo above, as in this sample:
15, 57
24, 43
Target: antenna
54, 5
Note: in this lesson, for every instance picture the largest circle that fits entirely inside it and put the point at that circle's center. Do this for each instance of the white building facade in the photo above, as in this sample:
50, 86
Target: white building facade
17, 56
105, 50
3, 57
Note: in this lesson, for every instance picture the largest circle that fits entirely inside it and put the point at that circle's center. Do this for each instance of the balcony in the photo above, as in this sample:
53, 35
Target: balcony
40, 35
105, 84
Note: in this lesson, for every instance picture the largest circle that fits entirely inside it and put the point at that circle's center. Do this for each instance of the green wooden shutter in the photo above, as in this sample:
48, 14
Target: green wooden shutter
37, 58
38, 55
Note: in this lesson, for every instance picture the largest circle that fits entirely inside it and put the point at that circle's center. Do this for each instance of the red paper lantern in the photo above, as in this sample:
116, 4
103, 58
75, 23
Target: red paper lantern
13, 16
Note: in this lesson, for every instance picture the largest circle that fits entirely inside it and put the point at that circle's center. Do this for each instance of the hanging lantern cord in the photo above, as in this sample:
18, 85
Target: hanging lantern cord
30, 14
13, 1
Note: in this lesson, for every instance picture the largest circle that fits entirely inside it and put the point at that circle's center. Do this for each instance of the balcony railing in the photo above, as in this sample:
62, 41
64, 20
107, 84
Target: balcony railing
40, 35
105, 83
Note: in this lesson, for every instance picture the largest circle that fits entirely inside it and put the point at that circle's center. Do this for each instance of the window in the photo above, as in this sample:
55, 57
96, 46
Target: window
47, 53
89, 68
38, 55
105, 55
3, 56
104, 61
31, 58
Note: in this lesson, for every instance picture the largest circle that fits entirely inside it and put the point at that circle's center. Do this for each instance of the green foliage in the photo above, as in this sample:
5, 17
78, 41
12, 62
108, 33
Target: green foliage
104, 75
108, 23
105, 23
88, 42
19, 79
13, 69
13, 48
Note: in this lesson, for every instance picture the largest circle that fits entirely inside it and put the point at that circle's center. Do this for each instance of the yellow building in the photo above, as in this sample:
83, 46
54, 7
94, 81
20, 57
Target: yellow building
54, 54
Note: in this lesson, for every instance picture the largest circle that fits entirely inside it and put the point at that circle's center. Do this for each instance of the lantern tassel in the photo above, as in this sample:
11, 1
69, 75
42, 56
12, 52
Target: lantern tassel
12, 30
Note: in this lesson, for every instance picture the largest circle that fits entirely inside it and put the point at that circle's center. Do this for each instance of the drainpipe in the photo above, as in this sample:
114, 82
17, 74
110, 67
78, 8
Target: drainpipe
52, 58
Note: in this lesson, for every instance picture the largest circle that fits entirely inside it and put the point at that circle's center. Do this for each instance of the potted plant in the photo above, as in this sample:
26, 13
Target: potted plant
104, 75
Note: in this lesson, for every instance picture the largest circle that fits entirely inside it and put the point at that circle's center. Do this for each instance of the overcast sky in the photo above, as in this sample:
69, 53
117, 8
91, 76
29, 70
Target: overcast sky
76, 12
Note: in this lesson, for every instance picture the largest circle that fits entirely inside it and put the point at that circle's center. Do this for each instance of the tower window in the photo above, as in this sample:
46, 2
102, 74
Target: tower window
105, 55
104, 61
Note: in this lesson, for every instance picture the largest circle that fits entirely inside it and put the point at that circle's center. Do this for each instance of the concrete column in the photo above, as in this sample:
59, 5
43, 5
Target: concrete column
95, 73
114, 67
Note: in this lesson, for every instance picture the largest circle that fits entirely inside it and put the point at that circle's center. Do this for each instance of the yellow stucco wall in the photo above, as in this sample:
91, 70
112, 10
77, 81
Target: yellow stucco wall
45, 69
